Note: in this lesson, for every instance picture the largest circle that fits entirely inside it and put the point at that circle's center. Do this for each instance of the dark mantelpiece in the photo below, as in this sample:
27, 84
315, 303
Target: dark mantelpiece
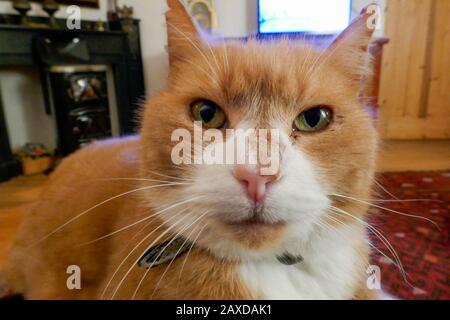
120, 50
9, 166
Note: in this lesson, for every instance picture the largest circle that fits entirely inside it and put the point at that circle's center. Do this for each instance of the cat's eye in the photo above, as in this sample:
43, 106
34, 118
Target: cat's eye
313, 120
210, 114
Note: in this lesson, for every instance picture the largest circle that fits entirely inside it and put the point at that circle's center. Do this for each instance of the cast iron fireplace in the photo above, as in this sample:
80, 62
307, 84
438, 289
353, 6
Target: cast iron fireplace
92, 83
82, 105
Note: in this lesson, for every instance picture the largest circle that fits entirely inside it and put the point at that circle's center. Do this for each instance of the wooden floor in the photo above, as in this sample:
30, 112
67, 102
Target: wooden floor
17, 195
414, 156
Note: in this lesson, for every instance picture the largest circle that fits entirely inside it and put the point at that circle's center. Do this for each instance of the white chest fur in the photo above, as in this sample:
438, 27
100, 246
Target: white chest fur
331, 270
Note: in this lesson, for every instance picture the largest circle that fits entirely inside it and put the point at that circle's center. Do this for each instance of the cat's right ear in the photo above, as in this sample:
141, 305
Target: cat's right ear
350, 48
183, 35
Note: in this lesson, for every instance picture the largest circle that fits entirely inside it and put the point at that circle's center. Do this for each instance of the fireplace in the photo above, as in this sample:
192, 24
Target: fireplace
83, 105
92, 83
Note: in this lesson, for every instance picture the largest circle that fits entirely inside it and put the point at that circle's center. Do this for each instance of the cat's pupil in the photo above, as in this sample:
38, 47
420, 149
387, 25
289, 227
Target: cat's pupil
207, 113
313, 117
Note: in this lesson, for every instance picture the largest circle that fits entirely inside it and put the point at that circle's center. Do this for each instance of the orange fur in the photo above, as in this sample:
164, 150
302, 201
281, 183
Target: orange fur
268, 82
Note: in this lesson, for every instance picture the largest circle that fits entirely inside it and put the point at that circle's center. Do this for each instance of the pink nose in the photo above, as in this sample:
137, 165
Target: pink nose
256, 185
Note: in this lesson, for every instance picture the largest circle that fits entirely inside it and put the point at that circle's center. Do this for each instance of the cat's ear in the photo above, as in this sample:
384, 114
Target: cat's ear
182, 32
349, 49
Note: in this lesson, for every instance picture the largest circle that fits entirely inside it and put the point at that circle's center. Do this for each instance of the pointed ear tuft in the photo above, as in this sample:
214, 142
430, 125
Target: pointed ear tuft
178, 16
350, 48
182, 32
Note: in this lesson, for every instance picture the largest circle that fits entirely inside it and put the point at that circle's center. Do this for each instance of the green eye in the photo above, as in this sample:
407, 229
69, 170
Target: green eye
211, 115
313, 120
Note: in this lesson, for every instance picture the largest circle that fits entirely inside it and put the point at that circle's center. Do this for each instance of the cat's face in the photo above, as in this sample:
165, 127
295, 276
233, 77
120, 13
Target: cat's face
326, 140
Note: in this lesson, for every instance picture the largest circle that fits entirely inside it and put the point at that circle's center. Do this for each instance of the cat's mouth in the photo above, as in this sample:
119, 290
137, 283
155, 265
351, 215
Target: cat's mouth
256, 225
257, 221
256, 233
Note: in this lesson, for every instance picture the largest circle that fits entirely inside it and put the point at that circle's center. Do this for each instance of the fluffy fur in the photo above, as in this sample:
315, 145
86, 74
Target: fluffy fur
258, 85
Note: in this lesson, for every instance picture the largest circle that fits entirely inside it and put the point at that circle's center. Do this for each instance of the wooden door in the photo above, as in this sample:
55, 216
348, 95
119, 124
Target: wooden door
415, 80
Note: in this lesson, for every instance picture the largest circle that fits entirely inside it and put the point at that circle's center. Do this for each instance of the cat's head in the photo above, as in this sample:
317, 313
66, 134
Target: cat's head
326, 141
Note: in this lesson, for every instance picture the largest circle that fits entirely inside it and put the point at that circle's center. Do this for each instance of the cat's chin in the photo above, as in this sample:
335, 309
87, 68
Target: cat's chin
255, 223
255, 233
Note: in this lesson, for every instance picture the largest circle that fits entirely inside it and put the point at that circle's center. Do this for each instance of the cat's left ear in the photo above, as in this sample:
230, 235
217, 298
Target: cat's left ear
349, 49
183, 35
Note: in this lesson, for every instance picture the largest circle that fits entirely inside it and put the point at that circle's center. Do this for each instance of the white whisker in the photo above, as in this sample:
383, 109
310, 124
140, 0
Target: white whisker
225, 55
97, 206
367, 241
379, 235
192, 43
188, 253
384, 189
167, 268
389, 210
148, 247
171, 177
129, 226
137, 246
216, 82
139, 180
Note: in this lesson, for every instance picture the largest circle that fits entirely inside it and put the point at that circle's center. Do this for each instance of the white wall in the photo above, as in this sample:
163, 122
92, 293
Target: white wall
88, 13
237, 18
24, 108
153, 40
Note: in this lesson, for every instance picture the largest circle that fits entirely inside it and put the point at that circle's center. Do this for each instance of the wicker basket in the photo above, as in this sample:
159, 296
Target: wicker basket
33, 166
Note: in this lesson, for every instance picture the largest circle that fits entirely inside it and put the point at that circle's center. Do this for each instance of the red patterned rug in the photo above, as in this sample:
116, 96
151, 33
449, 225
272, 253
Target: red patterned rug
423, 249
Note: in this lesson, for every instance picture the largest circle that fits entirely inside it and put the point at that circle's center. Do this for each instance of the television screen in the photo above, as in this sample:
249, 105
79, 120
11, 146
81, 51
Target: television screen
307, 16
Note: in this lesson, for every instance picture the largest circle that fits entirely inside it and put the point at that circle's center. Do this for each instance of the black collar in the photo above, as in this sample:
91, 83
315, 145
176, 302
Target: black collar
177, 246
162, 253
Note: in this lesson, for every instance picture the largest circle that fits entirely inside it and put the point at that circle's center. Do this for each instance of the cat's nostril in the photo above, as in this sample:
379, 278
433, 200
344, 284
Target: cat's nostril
255, 184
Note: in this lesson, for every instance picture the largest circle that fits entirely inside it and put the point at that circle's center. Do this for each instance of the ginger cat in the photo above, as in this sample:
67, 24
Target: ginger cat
109, 203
